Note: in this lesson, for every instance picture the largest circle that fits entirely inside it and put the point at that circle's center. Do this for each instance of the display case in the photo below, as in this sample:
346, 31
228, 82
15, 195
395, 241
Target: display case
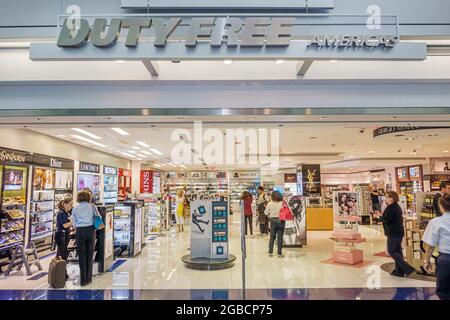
409, 181
105, 239
128, 228
110, 185
365, 203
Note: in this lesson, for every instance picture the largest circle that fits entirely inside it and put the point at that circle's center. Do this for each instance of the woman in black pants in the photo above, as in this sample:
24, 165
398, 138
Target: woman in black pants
63, 225
393, 229
83, 221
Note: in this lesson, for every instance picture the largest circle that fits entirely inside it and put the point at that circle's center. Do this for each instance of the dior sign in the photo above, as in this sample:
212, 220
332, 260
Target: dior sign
55, 163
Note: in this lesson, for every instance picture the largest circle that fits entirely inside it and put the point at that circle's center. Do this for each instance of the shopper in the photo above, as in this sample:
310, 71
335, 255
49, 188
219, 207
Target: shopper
180, 201
392, 219
83, 221
262, 202
90, 193
444, 189
276, 225
63, 226
375, 198
437, 234
247, 200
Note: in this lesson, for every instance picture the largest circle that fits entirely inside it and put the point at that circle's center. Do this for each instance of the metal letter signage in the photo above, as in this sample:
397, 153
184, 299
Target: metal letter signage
215, 38
89, 167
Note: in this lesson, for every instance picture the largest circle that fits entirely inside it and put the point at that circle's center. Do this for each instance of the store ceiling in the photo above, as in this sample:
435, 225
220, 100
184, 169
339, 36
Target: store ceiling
339, 147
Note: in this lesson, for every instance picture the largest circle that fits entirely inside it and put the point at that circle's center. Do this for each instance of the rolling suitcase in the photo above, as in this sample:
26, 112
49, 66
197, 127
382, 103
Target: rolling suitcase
57, 273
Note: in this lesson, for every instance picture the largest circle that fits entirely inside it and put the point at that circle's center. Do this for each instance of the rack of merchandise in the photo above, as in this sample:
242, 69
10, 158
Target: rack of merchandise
110, 185
365, 207
128, 228
409, 181
241, 181
413, 236
42, 208
153, 215
13, 205
425, 209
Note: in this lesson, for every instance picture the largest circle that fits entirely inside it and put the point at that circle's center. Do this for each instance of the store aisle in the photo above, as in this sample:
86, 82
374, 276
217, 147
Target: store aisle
159, 267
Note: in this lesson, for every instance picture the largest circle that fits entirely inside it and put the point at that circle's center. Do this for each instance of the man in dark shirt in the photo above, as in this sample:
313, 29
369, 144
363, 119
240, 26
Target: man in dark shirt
444, 189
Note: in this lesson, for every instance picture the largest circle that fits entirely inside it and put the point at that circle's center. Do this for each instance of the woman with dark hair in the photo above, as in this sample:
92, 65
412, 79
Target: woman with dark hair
392, 219
247, 200
63, 225
437, 234
83, 221
276, 225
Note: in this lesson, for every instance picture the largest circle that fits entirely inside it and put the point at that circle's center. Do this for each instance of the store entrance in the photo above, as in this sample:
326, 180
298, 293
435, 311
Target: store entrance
157, 178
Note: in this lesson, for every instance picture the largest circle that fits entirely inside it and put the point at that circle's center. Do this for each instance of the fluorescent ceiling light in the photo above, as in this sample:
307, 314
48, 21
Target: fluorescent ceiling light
86, 133
157, 165
279, 61
143, 144
333, 61
120, 61
61, 135
128, 155
131, 151
139, 159
140, 155
228, 61
136, 148
156, 151
120, 131
88, 140
146, 152
445, 151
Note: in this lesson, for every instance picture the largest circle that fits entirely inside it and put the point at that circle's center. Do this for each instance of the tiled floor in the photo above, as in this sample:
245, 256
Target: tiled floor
159, 267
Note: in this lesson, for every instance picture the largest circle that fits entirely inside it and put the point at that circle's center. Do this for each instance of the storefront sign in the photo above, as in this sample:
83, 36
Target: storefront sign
349, 41
125, 173
440, 165
110, 170
311, 179
89, 167
7, 155
245, 175
146, 181
52, 162
390, 130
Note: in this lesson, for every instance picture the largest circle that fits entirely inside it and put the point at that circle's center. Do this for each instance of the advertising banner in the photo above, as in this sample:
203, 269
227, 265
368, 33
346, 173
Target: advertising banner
311, 179
201, 228
295, 230
440, 165
146, 181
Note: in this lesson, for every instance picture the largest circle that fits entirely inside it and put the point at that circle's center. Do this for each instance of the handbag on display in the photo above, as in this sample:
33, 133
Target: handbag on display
98, 221
286, 212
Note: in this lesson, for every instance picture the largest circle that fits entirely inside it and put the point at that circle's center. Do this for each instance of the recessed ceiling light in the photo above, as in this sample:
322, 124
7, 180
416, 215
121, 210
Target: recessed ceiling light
146, 152
37, 119
136, 148
86, 133
180, 118
128, 155
61, 135
433, 135
313, 137
176, 61
120, 131
333, 61
120, 61
279, 61
445, 151
394, 117
228, 62
371, 152
323, 118
88, 140
139, 159
156, 151
143, 144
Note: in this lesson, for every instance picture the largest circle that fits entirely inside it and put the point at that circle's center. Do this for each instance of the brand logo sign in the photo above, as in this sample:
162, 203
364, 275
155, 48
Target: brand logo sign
389, 130
109, 170
146, 181
89, 167
6, 156
55, 163
349, 41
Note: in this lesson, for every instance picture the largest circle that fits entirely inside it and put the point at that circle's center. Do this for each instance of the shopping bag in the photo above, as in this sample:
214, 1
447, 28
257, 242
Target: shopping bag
286, 212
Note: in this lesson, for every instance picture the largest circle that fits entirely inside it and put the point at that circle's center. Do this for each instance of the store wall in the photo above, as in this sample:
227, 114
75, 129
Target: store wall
31, 141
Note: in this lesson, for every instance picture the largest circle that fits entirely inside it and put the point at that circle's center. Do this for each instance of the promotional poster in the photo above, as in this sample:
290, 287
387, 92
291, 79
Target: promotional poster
201, 228
295, 230
345, 203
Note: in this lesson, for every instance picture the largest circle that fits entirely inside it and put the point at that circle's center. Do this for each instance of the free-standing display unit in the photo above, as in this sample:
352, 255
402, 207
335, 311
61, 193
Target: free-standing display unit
110, 185
14, 171
209, 236
89, 177
128, 228
346, 234
105, 239
52, 182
